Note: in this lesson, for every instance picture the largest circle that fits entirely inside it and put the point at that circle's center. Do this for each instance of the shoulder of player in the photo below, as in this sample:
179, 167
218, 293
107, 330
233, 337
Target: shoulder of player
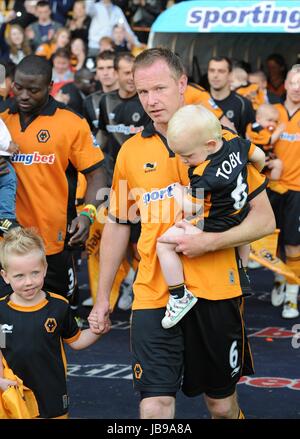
200, 170
132, 144
198, 87
68, 112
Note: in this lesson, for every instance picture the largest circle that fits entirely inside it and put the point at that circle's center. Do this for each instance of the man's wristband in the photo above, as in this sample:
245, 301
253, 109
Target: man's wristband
90, 211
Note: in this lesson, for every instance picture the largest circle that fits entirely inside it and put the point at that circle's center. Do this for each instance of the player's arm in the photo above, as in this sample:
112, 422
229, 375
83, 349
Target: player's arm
86, 338
258, 158
113, 247
259, 222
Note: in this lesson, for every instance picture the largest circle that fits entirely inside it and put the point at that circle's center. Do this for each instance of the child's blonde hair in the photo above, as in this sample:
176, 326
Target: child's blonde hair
194, 120
266, 108
20, 242
239, 76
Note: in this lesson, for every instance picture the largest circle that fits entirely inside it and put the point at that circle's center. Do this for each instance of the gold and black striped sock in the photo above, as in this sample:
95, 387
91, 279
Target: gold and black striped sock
177, 291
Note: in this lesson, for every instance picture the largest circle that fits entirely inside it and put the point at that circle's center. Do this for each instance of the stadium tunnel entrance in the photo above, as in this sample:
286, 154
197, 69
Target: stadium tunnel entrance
243, 30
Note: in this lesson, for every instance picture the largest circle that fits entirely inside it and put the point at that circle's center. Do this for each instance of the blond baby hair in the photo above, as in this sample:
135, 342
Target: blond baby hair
194, 120
20, 242
266, 108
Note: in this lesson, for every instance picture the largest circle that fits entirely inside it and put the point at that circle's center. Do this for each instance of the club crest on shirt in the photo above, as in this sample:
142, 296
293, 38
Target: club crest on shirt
50, 325
150, 167
43, 136
138, 371
136, 117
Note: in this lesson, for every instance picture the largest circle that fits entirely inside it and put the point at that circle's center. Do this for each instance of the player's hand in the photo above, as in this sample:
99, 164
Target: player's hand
99, 318
3, 166
79, 230
193, 242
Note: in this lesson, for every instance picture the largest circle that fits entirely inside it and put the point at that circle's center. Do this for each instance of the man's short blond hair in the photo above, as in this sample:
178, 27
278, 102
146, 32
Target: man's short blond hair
20, 242
198, 121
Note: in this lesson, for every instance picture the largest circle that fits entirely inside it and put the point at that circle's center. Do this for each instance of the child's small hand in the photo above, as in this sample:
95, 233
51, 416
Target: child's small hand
13, 147
5, 384
93, 320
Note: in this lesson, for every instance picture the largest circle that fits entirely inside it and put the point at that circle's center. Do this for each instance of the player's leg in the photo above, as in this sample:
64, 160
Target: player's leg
216, 330
169, 260
181, 299
277, 201
157, 363
291, 230
290, 308
61, 277
225, 408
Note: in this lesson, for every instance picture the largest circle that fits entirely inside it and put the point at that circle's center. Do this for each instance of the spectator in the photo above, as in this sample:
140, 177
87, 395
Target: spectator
74, 93
62, 67
18, 44
123, 42
79, 54
235, 107
80, 22
106, 43
144, 12
104, 16
4, 50
60, 40
44, 29
60, 10
24, 13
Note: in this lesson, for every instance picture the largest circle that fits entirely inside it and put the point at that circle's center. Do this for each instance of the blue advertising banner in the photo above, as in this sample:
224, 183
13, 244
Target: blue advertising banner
205, 16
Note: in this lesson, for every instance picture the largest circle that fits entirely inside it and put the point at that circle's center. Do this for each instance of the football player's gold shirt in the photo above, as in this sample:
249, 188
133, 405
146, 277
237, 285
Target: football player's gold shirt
195, 94
253, 93
145, 173
287, 148
54, 146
